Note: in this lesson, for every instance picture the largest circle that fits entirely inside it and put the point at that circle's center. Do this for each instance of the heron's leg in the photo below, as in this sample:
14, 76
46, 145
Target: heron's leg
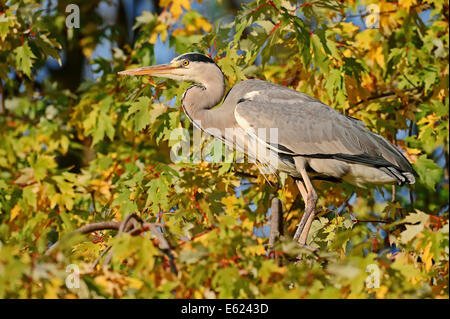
310, 197
301, 225
305, 232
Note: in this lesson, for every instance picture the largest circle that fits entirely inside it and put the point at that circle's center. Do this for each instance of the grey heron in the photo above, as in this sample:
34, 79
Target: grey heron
314, 140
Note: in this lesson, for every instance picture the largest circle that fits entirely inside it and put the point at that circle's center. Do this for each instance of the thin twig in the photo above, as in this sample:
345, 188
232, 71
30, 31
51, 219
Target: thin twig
100, 257
380, 96
93, 201
384, 221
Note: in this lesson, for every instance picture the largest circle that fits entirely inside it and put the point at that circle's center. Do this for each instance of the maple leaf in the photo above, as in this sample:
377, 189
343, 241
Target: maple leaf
176, 6
407, 4
24, 58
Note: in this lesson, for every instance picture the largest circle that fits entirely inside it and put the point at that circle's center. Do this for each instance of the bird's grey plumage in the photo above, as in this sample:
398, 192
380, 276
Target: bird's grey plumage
314, 140
309, 128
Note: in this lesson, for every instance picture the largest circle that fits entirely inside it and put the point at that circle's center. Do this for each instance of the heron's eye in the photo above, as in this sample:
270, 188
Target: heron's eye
186, 62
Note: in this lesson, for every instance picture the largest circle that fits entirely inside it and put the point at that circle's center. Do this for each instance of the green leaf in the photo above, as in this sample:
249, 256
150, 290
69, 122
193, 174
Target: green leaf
4, 26
429, 172
24, 58
320, 58
104, 126
66, 220
157, 192
334, 81
30, 196
141, 113
127, 206
41, 166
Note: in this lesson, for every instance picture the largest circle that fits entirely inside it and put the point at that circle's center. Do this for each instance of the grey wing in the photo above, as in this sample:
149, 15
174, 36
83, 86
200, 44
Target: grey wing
307, 127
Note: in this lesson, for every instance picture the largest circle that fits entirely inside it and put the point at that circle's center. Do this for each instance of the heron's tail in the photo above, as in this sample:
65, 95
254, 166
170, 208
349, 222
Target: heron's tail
410, 178
402, 177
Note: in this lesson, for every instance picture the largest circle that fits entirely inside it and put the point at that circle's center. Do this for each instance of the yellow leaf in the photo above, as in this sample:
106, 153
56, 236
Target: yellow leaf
178, 32
429, 119
364, 39
26, 177
381, 292
349, 27
102, 187
247, 224
255, 250
104, 282
54, 198
161, 29
376, 55
229, 202
388, 22
427, 257
198, 294
135, 283
88, 46
14, 212
202, 238
176, 6
425, 122
347, 53
203, 23
53, 288
407, 4
413, 151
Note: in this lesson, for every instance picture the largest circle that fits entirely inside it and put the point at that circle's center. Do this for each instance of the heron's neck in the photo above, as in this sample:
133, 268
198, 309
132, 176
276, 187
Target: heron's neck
200, 98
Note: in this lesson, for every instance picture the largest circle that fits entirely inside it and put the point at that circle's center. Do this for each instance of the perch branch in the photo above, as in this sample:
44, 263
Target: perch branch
275, 224
133, 225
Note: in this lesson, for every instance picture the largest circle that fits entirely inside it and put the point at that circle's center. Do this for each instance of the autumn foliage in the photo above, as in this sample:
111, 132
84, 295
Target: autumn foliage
76, 152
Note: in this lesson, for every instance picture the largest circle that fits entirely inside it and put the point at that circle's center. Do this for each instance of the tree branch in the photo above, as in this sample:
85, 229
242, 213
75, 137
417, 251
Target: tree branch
276, 218
379, 96
133, 225
384, 221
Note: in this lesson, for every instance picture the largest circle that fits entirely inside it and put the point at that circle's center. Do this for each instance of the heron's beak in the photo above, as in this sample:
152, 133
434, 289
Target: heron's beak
161, 69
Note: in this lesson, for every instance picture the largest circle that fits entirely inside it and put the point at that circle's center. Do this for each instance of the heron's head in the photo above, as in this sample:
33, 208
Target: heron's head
194, 67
